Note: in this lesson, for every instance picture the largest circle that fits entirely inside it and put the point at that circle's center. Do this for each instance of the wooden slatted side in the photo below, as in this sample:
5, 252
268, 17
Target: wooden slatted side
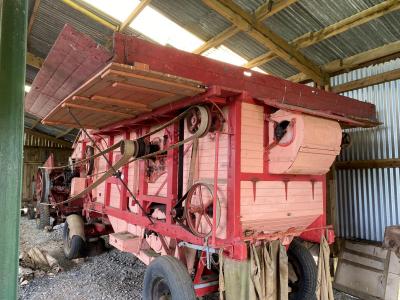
120, 92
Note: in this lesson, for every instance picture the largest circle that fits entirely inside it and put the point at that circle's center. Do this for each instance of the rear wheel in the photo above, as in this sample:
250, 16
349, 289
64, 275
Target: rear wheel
43, 219
167, 278
73, 245
42, 190
302, 272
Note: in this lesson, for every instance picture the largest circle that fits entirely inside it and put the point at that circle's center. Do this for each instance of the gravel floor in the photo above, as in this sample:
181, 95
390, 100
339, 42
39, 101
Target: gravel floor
110, 275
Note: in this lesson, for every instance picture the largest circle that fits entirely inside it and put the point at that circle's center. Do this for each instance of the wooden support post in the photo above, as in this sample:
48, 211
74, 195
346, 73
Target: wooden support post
13, 26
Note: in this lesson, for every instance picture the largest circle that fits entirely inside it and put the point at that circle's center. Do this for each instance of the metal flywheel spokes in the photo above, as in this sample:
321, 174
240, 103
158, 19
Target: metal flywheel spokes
199, 209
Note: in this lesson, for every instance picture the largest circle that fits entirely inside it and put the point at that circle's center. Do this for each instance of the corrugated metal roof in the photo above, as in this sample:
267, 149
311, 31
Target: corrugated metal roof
30, 120
192, 15
313, 15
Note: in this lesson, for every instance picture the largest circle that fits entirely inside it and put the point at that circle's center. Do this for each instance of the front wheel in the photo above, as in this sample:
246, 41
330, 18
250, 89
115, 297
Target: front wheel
167, 278
302, 272
73, 244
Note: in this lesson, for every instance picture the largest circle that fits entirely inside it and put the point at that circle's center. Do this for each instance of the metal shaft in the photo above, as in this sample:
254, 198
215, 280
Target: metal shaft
13, 28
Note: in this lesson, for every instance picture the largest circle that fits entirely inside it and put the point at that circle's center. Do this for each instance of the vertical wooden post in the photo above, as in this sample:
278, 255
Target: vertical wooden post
13, 26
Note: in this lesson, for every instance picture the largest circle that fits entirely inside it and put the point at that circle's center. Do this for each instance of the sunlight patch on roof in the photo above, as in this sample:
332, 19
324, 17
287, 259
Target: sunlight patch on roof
118, 9
162, 30
224, 54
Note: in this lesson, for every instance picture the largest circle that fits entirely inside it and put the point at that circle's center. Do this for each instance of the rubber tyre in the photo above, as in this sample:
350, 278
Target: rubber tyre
74, 247
31, 213
306, 271
44, 216
173, 274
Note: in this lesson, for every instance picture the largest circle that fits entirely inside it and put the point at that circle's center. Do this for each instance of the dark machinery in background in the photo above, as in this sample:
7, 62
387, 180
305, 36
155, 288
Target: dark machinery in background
53, 186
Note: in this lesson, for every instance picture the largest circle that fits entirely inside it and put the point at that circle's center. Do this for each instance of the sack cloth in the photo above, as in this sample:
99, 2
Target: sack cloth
263, 277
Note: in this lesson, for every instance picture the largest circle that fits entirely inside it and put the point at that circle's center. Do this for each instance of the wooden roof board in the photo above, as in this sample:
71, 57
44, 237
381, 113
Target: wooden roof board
112, 94
73, 58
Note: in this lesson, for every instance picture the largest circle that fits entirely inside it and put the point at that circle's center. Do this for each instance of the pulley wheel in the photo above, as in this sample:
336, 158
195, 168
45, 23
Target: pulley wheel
199, 118
199, 209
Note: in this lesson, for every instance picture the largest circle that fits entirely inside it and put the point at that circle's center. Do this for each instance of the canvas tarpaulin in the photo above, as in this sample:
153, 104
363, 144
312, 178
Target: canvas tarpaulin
324, 283
263, 277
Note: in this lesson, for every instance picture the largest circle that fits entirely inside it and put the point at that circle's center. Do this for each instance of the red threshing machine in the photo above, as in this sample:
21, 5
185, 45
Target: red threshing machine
194, 158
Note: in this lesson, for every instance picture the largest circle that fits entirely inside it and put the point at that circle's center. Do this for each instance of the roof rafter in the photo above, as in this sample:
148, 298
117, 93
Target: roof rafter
266, 10
314, 37
352, 62
245, 22
138, 9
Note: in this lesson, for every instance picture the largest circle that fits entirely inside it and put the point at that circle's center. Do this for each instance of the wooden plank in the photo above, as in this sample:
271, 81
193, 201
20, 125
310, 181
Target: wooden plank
138, 9
99, 110
368, 164
122, 103
314, 37
160, 84
48, 137
368, 81
244, 21
61, 75
74, 125
141, 89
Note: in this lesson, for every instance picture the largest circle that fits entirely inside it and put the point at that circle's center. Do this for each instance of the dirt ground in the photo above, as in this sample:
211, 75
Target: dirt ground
110, 275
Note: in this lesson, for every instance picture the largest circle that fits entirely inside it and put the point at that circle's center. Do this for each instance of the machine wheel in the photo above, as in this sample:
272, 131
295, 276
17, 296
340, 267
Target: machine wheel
43, 219
199, 209
73, 246
302, 272
167, 278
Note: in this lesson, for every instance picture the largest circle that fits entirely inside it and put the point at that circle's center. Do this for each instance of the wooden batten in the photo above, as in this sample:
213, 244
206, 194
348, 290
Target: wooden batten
121, 103
141, 89
95, 109
368, 164
368, 81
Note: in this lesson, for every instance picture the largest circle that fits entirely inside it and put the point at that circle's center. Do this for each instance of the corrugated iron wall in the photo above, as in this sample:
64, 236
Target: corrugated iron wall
368, 199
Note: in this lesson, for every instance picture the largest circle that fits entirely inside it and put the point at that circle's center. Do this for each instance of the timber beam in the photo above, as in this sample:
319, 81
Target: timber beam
368, 164
356, 61
245, 22
312, 38
264, 11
